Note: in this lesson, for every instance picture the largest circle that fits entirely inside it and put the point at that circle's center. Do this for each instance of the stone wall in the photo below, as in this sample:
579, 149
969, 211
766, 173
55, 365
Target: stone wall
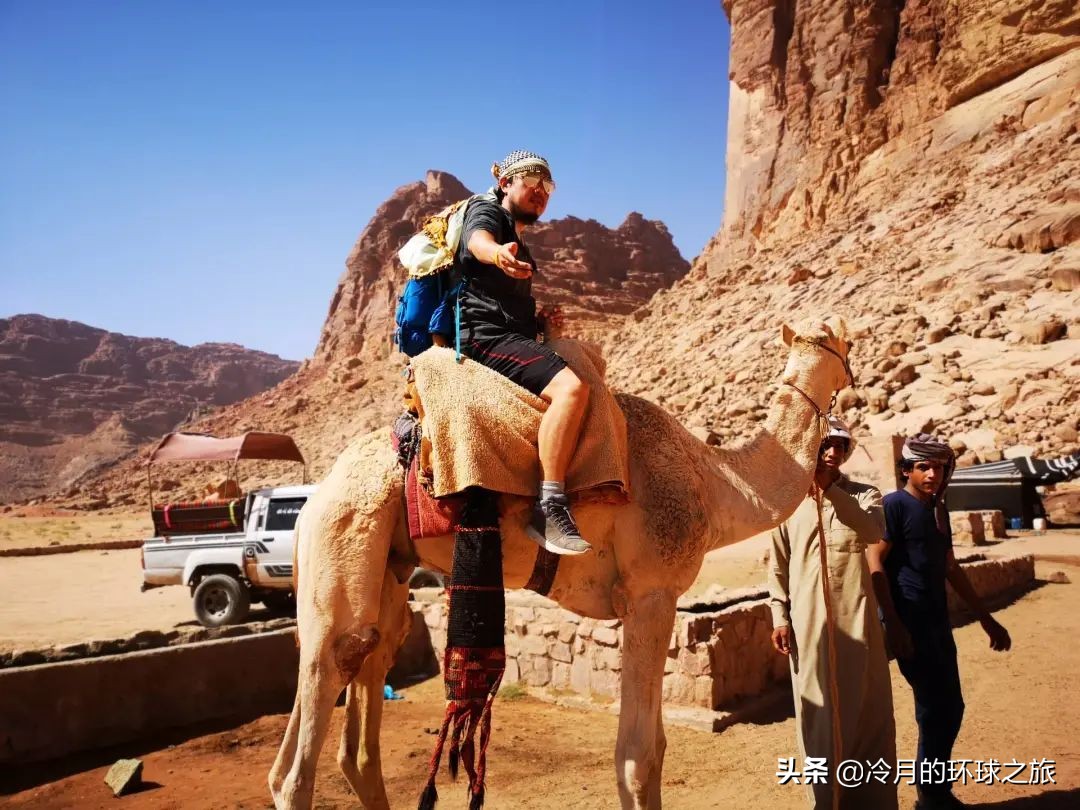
719, 655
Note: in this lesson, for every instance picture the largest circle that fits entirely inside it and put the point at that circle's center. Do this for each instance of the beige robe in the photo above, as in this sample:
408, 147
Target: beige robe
852, 517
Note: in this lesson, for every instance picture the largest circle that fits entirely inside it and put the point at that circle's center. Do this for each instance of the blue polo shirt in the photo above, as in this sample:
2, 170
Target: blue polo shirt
916, 564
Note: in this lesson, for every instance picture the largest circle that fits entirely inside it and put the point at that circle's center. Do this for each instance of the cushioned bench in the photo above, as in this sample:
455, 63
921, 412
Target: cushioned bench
198, 517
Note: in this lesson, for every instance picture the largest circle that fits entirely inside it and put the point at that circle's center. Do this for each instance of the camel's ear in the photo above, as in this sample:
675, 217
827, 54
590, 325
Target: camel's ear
787, 334
838, 326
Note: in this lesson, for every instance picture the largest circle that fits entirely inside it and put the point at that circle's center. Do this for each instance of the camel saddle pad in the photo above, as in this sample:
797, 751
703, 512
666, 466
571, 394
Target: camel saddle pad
428, 516
480, 429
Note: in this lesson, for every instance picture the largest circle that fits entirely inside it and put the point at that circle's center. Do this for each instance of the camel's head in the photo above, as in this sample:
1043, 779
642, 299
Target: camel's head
819, 348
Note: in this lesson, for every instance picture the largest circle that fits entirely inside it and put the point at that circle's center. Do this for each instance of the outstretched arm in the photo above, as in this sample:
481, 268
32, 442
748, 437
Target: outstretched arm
484, 248
999, 636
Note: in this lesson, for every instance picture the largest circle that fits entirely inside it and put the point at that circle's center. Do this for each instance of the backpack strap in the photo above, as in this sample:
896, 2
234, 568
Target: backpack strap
457, 317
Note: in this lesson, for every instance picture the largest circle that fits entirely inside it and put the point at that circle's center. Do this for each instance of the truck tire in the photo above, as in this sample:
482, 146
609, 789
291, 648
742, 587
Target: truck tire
423, 578
280, 602
221, 599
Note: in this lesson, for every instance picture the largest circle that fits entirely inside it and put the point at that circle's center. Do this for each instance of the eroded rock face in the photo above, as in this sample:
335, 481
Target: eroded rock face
912, 166
818, 86
73, 397
597, 273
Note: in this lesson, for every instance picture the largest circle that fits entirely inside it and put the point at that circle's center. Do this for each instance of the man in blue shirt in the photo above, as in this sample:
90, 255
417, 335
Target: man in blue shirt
918, 560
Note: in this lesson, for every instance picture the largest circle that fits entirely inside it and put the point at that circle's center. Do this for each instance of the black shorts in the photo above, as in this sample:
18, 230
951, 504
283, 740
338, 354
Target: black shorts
530, 364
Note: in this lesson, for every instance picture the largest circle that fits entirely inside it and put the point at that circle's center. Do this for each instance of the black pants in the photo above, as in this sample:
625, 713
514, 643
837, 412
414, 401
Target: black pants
939, 703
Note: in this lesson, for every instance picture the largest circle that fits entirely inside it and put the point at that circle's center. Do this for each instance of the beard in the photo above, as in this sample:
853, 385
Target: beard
521, 215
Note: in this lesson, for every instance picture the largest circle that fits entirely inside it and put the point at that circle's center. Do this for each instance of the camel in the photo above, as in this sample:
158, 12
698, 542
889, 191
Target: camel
354, 554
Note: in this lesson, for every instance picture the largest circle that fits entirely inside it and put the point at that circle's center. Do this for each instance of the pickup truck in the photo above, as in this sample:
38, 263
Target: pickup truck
228, 571
232, 550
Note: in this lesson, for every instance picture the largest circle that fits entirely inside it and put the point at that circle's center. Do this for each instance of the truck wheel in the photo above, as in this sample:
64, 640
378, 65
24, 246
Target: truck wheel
280, 602
423, 578
221, 599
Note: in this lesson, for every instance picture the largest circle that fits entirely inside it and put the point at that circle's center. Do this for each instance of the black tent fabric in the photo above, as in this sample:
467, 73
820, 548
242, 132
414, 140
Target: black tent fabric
1037, 470
1009, 485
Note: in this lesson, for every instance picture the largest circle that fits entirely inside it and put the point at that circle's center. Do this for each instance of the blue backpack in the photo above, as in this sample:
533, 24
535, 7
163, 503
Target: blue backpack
427, 304
422, 309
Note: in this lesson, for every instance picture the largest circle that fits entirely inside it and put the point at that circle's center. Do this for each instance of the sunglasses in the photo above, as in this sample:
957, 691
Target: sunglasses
533, 180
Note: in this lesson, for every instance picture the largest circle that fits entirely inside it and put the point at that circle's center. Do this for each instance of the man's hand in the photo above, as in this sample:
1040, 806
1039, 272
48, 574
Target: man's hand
999, 636
506, 260
781, 639
551, 321
900, 644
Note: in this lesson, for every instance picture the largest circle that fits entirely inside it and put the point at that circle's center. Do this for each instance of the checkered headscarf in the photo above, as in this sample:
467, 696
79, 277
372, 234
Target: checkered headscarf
519, 162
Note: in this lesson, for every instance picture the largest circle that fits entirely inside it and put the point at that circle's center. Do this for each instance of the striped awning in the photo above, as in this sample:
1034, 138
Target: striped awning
1015, 470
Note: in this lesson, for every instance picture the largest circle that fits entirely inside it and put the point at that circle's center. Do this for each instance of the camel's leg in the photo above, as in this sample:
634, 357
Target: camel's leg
639, 752
342, 549
317, 691
359, 754
285, 753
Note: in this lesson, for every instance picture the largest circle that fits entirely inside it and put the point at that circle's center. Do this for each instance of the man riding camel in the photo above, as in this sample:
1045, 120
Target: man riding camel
499, 326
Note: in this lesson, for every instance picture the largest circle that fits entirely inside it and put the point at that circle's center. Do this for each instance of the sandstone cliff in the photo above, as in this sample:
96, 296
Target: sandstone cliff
73, 398
913, 166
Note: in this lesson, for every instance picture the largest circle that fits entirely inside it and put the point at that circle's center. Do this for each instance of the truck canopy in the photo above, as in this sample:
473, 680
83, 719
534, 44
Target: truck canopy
202, 447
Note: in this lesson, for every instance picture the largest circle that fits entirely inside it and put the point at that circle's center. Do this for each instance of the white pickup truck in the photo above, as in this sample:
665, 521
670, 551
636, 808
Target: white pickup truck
227, 571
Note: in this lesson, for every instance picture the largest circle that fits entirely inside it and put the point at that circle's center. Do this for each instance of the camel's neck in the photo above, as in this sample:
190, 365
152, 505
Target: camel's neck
759, 484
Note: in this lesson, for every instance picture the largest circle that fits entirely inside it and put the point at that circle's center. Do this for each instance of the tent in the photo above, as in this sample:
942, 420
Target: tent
1009, 485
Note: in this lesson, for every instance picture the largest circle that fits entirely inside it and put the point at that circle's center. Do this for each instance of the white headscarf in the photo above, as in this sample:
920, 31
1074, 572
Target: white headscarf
838, 428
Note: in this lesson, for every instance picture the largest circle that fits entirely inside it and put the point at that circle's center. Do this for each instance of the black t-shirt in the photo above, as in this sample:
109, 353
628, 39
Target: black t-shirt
492, 298
916, 564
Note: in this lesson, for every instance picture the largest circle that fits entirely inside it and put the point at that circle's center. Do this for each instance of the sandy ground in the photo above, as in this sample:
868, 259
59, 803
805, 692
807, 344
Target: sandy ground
1019, 705
59, 529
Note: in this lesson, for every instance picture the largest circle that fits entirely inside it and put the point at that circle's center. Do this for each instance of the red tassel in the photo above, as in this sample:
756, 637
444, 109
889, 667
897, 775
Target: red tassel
430, 795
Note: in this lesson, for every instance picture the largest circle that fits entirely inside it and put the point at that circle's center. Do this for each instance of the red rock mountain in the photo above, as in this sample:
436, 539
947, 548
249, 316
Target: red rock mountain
73, 398
596, 273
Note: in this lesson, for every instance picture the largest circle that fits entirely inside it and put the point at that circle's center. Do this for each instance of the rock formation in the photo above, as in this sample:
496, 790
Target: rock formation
913, 166
73, 397
594, 272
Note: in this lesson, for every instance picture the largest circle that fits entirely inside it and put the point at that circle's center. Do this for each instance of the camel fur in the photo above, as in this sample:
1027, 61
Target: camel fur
353, 553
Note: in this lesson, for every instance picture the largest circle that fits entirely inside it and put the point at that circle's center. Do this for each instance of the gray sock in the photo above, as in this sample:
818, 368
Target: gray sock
551, 489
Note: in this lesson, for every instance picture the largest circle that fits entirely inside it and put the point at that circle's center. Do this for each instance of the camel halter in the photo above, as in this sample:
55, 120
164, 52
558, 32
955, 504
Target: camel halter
823, 420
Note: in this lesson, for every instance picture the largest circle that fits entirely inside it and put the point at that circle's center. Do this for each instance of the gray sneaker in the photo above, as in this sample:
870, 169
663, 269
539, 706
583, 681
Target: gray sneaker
553, 527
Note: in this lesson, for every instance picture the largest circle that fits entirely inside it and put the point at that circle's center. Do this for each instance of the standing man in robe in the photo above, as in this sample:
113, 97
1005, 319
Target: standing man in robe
825, 620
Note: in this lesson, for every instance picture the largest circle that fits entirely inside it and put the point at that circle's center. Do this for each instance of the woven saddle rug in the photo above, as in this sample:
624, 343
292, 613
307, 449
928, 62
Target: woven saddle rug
479, 429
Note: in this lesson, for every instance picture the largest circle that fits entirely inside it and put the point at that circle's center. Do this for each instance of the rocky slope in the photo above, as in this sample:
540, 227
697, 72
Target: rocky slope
74, 398
913, 166
352, 384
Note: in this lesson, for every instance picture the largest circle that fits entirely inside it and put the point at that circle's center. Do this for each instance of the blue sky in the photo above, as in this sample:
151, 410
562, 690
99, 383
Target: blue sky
199, 170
